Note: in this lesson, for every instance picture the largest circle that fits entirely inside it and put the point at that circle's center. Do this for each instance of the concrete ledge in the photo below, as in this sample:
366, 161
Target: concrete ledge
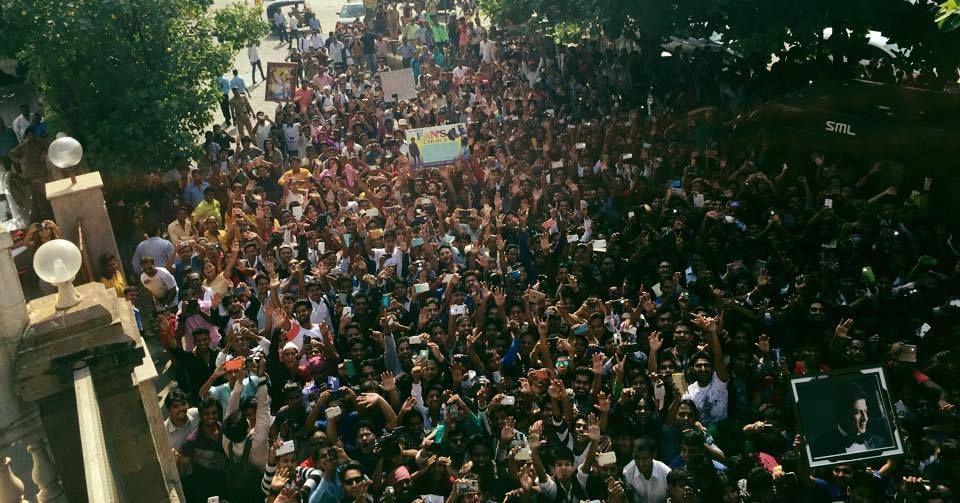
65, 186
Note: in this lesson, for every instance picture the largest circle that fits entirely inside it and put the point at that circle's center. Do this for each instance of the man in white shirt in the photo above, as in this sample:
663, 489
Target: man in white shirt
280, 23
320, 311
182, 421
254, 55
159, 282
292, 132
350, 148
314, 41
645, 475
307, 330
336, 51
21, 122
181, 229
458, 73
709, 389
389, 255
488, 49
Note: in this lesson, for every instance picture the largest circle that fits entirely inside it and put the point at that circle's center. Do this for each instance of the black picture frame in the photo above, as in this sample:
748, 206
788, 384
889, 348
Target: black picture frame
822, 403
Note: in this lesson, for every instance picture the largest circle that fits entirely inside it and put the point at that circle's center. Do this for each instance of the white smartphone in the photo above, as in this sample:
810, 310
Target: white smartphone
828, 203
573, 238
415, 340
627, 156
524, 454
581, 146
288, 446
297, 212
457, 309
321, 247
508, 400
347, 311
421, 288
556, 164
334, 412
607, 458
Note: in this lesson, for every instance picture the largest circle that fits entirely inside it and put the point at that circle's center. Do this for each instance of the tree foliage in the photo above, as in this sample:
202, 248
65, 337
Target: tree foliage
133, 80
753, 30
948, 16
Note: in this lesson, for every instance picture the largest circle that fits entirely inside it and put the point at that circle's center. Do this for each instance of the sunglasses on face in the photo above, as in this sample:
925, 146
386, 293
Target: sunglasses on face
353, 481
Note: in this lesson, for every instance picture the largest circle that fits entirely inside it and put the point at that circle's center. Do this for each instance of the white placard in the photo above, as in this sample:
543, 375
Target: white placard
399, 82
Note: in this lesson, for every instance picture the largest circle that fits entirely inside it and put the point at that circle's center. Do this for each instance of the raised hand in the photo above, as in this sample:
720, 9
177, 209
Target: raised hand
656, 342
597, 363
843, 328
280, 479
507, 431
593, 428
388, 382
763, 343
603, 403
556, 389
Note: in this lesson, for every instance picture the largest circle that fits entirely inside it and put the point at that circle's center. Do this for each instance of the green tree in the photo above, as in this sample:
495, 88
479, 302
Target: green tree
134, 81
948, 16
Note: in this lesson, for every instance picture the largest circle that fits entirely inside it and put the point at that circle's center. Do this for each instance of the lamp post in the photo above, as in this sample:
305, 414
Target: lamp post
57, 263
65, 153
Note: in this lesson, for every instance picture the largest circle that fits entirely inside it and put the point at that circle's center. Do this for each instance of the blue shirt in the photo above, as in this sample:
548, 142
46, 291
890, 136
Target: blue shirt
328, 491
224, 84
222, 392
160, 249
193, 193
237, 83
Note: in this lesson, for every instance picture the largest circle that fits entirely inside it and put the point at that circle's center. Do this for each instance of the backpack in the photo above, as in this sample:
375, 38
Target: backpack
243, 479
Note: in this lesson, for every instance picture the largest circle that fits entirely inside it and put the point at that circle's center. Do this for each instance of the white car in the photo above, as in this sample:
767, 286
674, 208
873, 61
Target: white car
351, 13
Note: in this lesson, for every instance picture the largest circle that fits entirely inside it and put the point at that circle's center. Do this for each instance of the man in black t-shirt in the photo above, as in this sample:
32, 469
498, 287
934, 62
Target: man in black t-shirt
369, 40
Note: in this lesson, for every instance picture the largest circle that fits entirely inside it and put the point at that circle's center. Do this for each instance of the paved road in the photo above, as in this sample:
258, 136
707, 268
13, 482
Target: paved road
271, 49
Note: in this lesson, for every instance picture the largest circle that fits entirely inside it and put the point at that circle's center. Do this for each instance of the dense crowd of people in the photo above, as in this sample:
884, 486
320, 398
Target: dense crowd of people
605, 299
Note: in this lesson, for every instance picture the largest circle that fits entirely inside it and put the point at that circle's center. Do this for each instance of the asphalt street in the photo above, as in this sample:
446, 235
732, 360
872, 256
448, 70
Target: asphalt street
271, 49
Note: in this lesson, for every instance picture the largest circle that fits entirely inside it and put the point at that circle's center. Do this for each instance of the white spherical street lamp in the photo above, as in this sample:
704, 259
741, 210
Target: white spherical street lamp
57, 262
65, 153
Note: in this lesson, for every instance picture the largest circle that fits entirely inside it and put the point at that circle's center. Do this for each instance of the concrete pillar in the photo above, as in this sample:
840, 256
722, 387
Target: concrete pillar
100, 335
81, 204
13, 321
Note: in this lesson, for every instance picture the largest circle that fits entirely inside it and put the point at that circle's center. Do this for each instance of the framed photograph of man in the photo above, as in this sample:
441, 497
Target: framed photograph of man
281, 81
846, 416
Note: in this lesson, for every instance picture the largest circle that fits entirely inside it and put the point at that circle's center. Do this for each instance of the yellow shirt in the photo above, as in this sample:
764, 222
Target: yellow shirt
222, 237
298, 173
118, 283
219, 285
205, 210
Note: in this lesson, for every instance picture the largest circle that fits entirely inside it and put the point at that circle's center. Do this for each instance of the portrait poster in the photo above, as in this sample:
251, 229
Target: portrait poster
846, 416
437, 145
281, 81
399, 83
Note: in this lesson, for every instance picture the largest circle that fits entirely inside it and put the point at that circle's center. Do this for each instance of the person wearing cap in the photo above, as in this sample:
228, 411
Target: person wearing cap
242, 112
